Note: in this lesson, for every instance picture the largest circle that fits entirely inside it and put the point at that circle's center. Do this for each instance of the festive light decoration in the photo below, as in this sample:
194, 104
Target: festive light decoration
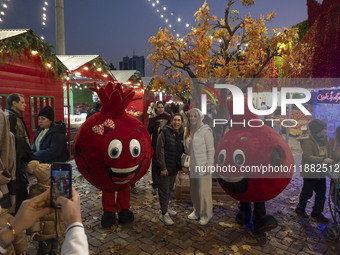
35, 48
167, 19
3, 9
44, 18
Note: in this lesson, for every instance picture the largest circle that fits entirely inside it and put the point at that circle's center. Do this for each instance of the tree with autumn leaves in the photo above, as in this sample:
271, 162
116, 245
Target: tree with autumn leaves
230, 47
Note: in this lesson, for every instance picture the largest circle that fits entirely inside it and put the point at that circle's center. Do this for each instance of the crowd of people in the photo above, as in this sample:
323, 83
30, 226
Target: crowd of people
183, 132
17, 159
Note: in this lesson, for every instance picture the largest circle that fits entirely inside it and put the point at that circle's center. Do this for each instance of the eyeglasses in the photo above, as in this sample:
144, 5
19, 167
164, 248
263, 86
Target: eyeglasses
160, 107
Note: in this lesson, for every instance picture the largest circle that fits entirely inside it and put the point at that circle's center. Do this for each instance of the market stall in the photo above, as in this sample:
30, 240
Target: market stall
30, 68
132, 79
83, 71
327, 108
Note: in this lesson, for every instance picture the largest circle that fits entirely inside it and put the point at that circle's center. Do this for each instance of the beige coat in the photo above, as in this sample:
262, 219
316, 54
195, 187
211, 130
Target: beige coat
19, 244
51, 225
7, 152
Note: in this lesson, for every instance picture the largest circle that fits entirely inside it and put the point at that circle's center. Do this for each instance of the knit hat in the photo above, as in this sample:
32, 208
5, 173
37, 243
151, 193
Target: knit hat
47, 112
316, 126
41, 171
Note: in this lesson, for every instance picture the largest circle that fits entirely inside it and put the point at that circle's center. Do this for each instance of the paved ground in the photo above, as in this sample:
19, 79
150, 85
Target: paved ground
147, 235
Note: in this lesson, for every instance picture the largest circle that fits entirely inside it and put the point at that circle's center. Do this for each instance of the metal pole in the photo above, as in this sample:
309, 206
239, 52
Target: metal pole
68, 115
60, 29
289, 114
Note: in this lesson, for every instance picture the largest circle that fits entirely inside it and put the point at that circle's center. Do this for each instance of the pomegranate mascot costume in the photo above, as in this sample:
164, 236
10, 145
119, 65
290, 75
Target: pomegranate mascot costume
258, 165
113, 151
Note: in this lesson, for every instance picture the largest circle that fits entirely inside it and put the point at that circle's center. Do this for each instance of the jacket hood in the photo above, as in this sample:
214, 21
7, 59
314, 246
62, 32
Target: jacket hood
58, 127
204, 127
181, 130
200, 116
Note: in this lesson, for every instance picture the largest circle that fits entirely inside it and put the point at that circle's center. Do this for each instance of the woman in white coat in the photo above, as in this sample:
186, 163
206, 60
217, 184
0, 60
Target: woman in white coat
199, 142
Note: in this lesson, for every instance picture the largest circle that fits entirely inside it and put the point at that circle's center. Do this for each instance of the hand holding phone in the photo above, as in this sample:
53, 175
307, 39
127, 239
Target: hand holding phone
70, 208
61, 182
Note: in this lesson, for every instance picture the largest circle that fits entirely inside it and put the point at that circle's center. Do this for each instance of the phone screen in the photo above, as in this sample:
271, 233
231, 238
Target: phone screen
61, 182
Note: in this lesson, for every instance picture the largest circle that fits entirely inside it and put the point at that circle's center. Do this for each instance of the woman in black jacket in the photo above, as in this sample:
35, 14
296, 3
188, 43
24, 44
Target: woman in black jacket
168, 152
50, 143
155, 126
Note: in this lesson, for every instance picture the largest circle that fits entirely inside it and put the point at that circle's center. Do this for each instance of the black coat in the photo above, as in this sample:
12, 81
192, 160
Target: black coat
24, 155
154, 126
53, 146
170, 149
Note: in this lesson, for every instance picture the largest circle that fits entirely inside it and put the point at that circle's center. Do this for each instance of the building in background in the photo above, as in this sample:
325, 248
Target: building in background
134, 63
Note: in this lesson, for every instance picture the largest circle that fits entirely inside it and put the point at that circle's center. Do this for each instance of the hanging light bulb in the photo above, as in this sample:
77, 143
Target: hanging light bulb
187, 25
4, 5
179, 19
46, 3
170, 25
153, 4
166, 20
164, 8
157, 10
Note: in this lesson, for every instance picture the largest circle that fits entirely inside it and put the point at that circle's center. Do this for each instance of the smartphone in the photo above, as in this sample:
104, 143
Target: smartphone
6, 174
61, 182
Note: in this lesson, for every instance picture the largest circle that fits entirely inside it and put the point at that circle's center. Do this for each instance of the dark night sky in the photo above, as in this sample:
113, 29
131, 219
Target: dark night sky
113, 28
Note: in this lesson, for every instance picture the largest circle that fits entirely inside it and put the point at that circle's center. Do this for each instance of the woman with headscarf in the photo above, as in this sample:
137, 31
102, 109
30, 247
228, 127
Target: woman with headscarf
199, 143
50, 143
156, 124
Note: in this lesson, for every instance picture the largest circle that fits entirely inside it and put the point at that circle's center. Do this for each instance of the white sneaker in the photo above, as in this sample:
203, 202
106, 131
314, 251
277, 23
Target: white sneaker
192, 216
205, 219
171, 212
166, 219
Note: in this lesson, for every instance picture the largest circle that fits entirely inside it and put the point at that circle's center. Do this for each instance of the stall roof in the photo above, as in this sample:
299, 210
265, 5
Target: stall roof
123, 76
73, 62
7, 33
146, 81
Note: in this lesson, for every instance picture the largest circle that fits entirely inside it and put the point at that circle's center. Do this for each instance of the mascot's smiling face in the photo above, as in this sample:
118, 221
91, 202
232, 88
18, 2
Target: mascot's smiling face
245, 153
249, 149
112, 151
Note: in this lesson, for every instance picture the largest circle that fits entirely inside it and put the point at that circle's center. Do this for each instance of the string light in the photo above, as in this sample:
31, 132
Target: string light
43, 18
167, 14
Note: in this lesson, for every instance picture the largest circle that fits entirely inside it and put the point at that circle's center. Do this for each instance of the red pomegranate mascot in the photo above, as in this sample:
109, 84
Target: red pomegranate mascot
258, 165
113, 151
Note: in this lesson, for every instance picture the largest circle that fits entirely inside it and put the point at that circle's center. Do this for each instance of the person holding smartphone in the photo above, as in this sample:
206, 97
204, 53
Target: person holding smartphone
33, 209
50, 228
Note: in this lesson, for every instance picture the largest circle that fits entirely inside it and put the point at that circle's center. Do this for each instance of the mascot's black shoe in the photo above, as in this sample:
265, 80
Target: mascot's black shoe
243, 218
266, 223
108, 219
126, 216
